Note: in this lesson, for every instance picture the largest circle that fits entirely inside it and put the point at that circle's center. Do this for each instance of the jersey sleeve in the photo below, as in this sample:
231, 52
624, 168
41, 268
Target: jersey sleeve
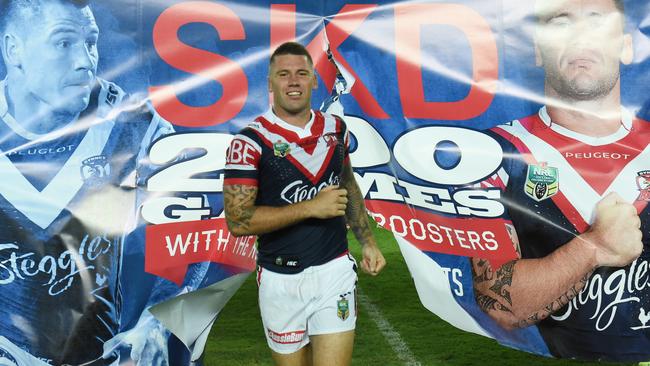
242, 160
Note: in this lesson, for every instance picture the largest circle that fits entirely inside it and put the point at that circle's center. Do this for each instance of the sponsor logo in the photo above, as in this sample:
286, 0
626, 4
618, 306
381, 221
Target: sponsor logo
42, 151
607, 293
286, 338
95, 170
597, 155
643, 183
281, 149
295, 191
56, 273
343, 307
542, 182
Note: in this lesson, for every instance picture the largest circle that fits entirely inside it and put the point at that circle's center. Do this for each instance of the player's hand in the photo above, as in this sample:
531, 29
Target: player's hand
373, 261
330, 202
616, 232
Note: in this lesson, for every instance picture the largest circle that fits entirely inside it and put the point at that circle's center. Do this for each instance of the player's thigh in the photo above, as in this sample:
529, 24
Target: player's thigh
302, 357
333, 349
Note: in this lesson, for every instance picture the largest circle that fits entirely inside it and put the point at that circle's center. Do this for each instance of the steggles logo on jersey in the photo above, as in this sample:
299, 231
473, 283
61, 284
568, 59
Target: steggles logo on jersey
542, 181
281, 149
643, 182
95, 170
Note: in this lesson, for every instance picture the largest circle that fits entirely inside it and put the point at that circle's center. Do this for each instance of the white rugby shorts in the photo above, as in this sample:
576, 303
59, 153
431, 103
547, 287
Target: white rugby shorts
319, 300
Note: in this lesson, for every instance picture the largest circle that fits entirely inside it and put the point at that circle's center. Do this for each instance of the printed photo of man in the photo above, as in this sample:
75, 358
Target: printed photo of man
570, 178
69, 146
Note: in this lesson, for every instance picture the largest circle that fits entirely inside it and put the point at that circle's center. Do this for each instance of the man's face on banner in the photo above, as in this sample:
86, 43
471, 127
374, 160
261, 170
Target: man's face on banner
59, 56
580, 44
291, 79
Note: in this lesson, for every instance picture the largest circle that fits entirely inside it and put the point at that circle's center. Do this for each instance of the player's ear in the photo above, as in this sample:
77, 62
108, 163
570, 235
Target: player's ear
11, 50
627, 54
314, 82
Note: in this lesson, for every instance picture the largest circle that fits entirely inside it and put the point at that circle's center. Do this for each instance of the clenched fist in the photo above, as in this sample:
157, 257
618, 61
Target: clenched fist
615, 233
330, 202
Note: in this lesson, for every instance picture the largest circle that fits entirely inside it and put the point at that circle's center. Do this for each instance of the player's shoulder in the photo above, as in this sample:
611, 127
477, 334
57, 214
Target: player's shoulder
133, 113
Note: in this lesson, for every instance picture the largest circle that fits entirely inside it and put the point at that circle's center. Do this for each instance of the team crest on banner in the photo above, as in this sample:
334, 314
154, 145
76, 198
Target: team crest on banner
342, 308
281, 149
542, 181
643, 183
95, 169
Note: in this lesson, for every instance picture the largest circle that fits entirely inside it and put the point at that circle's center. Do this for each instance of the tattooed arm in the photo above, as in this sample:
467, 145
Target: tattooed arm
245, 218
525, 291
357, 218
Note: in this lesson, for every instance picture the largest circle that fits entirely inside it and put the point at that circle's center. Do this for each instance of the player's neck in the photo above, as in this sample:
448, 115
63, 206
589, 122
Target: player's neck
596, 118
32, 116
298, 119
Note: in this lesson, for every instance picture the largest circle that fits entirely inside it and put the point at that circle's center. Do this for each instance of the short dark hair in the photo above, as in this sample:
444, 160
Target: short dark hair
291, 48
11, 10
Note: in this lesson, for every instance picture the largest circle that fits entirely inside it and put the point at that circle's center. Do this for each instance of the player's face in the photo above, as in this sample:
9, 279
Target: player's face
59, 57
580, 44
291, 79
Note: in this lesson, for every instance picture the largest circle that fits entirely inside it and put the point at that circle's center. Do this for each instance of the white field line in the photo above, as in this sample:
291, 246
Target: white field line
393, 338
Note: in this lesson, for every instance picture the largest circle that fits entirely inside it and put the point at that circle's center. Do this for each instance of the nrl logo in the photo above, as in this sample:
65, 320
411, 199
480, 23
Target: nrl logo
342, 308
95, 170
542, 182
281, 149
643, 183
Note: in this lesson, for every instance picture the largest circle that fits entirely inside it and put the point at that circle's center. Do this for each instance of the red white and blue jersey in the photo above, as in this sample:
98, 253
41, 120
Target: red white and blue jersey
65, 200
288, 165
552, 179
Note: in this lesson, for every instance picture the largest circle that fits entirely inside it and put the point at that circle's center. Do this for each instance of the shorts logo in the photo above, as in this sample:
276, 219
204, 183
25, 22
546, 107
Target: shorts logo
281, 149
95, 170
643, 183
286, 338
542, 182
343, 308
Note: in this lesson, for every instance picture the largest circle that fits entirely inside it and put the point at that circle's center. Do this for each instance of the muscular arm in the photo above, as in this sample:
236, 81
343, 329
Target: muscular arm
245, 218
357, 218
525, 291
355, 212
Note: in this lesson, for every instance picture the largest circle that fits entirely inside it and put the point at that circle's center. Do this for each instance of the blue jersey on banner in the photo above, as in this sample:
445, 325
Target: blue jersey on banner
560, 175
65, 204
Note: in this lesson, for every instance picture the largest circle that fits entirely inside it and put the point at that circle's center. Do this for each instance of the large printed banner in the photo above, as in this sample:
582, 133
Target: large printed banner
504, 143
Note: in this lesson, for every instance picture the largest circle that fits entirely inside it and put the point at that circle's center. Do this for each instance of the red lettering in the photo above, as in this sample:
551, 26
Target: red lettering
240, 152
408, 20
205, 64
338, 30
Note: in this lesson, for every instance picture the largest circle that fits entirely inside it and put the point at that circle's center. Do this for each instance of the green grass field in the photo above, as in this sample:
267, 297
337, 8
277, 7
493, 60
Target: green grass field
237, 337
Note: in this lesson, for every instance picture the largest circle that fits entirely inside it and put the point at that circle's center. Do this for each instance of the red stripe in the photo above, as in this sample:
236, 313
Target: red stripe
559, 198
316, 129
240, 181
313, 178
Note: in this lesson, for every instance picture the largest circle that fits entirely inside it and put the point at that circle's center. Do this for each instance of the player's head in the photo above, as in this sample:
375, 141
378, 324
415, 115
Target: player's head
49, 48
291, 78
580, 44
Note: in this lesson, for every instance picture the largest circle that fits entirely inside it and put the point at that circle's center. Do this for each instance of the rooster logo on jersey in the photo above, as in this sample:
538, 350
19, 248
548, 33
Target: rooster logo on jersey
643, 182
